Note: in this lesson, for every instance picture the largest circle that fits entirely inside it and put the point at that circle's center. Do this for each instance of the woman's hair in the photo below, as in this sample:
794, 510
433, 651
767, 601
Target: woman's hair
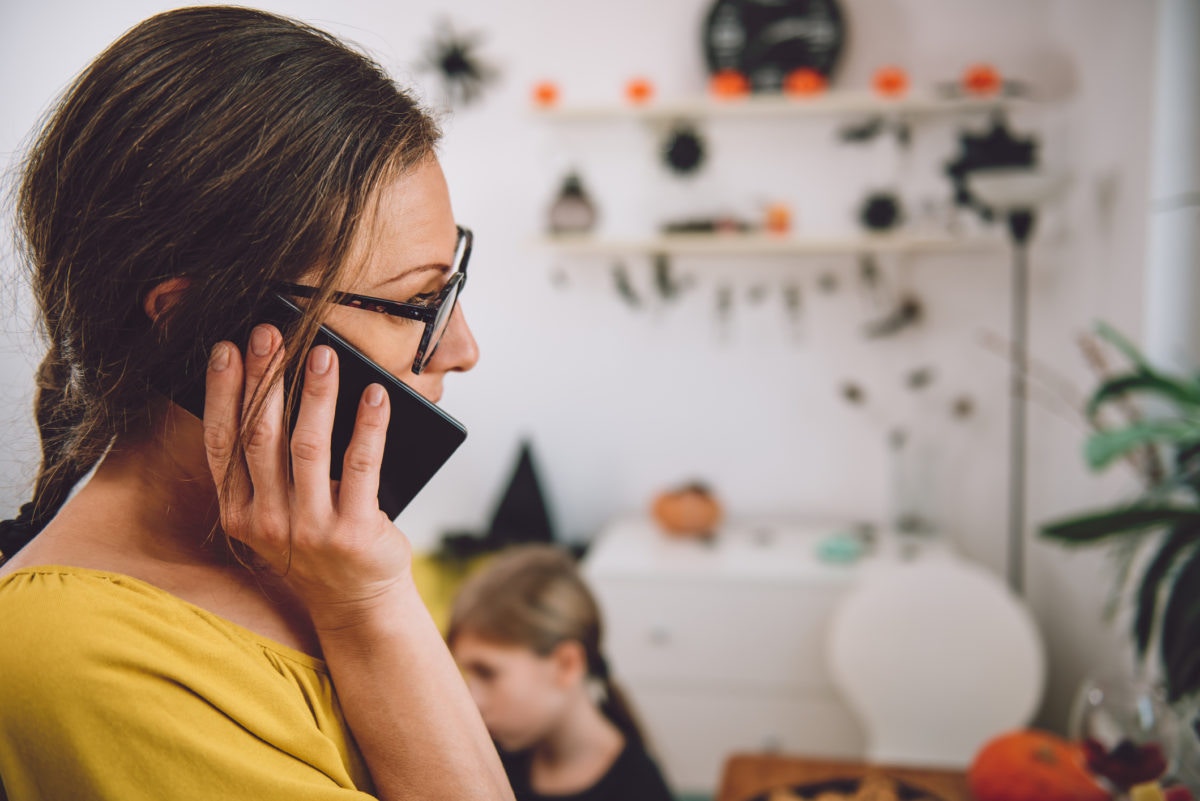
226, 146
533, 596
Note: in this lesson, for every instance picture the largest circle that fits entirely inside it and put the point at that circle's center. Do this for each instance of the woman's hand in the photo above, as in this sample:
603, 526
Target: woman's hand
328, 539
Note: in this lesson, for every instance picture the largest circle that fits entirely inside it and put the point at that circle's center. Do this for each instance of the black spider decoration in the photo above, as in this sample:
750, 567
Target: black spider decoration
684, 151
454, 57
996, 147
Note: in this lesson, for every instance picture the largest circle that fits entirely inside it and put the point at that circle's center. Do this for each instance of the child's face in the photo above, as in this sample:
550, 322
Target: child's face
520, 694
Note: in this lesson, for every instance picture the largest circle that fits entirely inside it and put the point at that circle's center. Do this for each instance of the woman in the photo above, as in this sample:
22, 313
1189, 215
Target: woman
177, 627
527, 632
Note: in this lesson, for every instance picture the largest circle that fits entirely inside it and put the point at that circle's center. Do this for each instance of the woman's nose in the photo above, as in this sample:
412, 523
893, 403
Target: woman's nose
458, 351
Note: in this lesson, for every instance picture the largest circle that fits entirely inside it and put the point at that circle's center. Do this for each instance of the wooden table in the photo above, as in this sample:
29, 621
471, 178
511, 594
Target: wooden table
747, 776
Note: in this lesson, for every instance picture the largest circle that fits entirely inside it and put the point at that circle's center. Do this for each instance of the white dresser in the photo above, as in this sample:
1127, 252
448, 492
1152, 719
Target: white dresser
721, 646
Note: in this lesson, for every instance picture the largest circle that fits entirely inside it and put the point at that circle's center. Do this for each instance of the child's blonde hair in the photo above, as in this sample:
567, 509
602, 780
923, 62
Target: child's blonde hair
533, 596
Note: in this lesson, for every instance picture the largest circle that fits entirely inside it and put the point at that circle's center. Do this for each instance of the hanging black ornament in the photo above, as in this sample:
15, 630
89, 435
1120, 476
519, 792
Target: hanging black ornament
881, 211
996, 147
907, 313
669, 287
624, 287
684, 151
455, 59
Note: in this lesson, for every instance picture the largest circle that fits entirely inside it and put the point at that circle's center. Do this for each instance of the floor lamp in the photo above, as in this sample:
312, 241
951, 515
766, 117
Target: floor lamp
1015, 194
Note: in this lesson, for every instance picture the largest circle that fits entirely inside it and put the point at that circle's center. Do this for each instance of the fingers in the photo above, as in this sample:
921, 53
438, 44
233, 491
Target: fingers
262, 407
222, 420
313, 432
358, 495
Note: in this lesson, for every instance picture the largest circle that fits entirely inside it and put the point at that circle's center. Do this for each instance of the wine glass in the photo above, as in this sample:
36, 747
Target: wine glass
1128, 732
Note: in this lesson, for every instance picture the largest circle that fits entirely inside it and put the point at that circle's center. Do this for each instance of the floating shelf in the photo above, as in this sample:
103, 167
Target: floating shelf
767, 245
829, 104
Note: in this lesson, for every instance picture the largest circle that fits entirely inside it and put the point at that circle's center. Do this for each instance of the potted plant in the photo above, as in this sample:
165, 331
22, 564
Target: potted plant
1158, 533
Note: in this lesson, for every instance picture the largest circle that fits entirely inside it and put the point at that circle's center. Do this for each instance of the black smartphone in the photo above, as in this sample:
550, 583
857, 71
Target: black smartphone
420, 436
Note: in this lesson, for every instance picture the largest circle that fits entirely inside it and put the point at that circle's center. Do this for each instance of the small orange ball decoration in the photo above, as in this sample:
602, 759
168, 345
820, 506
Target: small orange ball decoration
1027, 764
729, 84
891, 81
639, 90
804, 82
778, 218
982, 80
545, 94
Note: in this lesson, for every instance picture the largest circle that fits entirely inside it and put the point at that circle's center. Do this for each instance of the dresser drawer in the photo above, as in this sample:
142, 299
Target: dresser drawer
752, 634
693, 733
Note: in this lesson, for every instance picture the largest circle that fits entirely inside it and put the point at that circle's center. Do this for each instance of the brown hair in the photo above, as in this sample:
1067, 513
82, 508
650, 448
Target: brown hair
533, 596
227, 146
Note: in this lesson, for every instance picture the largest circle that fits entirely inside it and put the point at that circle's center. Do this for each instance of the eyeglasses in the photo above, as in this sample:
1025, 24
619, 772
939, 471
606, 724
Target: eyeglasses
435, 314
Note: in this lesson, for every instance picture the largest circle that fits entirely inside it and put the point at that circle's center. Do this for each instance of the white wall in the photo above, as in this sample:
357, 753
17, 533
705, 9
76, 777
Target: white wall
620, 403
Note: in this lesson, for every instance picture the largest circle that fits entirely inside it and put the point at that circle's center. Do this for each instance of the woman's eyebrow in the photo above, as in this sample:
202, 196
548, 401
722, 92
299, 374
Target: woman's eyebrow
440, 267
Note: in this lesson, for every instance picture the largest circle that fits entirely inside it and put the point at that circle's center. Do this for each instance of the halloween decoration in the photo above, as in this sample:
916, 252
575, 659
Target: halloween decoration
545, 94
521, 516
828, 283
890, 81
804, 82
689, 511
668, 286
1028, 764
880, 212
996, 147
707, 225
778, 218
572, 212
919, 378
624, 287
868, 273
982, 80
724, 304
853, 394
639, 91
766, 40
875, 125
729, 84
454, 57
684, 151
793, 301
908, 313
962, 407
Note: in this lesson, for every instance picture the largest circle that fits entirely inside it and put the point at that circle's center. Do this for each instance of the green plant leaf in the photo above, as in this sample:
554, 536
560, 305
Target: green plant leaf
1115, 338
1180, 649
1149, 590
1105, 446
1182, 393
1106, 523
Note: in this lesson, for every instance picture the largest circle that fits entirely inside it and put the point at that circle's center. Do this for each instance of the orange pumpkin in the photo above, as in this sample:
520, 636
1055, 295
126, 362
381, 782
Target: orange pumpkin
890, 81
688, 511
639, 90
1031, 765
804, 82
982, 80
729, 83
545, 94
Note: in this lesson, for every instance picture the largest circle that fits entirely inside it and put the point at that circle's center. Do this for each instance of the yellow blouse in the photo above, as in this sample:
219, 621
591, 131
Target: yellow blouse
111, 688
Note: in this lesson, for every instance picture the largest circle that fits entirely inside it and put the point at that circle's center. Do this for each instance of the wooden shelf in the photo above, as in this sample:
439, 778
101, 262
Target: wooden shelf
828, 104
766, 245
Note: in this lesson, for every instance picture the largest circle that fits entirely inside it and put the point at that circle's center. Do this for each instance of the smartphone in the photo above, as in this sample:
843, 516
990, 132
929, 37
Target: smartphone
420, 436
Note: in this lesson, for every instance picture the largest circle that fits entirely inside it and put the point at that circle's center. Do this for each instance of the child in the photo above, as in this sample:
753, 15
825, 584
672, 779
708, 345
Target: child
526, 632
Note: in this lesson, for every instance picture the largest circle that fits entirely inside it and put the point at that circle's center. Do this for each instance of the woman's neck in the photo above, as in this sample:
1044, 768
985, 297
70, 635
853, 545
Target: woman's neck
578, 752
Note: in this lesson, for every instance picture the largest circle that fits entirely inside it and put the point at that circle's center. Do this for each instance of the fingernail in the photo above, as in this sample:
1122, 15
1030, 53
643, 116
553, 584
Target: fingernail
319, 360
219, 359
374, 395
260, 341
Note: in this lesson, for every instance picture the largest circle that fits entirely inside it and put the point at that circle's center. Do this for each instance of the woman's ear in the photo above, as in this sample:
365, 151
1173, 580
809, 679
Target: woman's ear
570, 663
163, 296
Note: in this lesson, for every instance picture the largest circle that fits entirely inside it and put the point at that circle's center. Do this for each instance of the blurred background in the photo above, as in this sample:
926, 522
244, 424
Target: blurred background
828, 348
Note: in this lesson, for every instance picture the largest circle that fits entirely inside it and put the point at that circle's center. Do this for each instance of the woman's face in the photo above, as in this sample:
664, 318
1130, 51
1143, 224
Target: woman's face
406, 245
521, 695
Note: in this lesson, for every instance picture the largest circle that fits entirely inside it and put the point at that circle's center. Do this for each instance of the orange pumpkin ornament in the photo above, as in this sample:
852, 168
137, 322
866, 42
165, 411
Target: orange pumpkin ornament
639, 90
982, 80
804, 82
890, 81
690, 511
729, 84
545, 94
1031, 765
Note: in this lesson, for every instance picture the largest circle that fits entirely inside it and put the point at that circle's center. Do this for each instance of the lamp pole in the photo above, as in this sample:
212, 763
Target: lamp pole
1020, 229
